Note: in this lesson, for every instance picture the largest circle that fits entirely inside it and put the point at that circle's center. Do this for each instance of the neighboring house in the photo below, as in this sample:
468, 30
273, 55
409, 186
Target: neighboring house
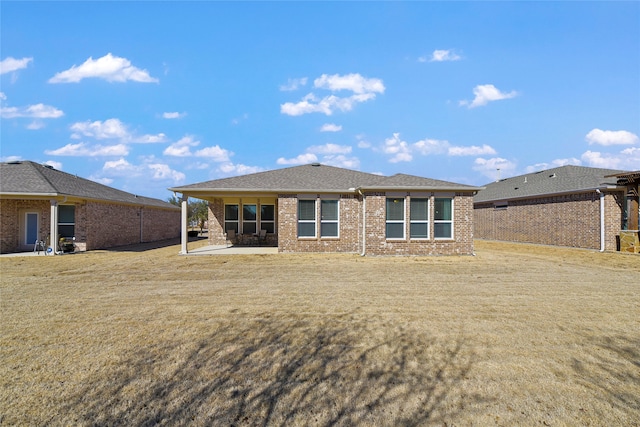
572, 206
38, 202
319, 208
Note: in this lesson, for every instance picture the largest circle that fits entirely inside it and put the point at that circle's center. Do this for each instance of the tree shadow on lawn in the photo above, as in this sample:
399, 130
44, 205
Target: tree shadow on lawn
612, 368
267, 371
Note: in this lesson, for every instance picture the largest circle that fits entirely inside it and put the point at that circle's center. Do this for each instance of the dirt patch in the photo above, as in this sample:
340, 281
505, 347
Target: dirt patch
519, 334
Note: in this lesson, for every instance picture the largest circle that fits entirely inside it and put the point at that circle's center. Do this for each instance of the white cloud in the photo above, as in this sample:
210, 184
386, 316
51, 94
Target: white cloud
431, 146
10, 64
351, 82
120, 167
3, 97
37, 111
54, 164
472, 150
112, 129
35, 125
110, 68
231, 169
444, 55
100, 180
487, 93
397, 148
302, 159
215, 153
150, 139
181, 148
494, 168
611, 137
627, 159
402, 151
364, 89
173, 115
109, 129
82, 149
341, 161
553, 164
293, 84
329, 149
162, 172
330, 127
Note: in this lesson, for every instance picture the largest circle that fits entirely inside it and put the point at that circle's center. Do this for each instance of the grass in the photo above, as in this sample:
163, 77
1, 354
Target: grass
517, 335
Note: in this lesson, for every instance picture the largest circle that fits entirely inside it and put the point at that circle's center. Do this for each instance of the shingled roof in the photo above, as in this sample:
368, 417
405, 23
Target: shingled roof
26, 178
565, 179
316, 178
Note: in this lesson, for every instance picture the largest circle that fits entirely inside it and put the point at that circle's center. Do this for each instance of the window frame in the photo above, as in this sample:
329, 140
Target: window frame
426, 221
250, 222
395, 221
232, 221
313, 221
268, 221
67, 224
443, 221
335, 221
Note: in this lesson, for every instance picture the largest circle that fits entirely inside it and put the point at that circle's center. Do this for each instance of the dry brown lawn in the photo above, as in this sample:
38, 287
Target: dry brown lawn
517, 335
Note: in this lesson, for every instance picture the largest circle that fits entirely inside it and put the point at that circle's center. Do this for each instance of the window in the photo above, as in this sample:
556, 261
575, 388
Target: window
443, 218
249, 219
231, 218
267, 218
419, 218
306, 218
329, 218
395, 218
67, 221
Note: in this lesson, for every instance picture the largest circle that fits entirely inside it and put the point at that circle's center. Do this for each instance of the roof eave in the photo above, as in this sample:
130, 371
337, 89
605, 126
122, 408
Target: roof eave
557, 193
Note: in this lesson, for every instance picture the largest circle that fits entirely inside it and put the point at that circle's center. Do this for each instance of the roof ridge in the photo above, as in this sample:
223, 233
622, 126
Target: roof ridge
36, 167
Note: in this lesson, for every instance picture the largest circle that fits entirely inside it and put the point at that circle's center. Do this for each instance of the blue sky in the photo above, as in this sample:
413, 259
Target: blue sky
143, 96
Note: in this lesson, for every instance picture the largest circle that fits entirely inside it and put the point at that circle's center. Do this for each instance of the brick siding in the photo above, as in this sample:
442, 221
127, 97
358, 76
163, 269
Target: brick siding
571, 220
350, 232
98, 225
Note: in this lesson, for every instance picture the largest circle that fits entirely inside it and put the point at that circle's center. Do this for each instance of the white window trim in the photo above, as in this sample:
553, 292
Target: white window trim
250, 221
427, 221
395, 221
332, 221
445, 221
314, 221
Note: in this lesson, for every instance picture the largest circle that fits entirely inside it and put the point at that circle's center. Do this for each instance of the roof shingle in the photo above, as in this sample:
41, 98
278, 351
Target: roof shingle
30, 178
563, 179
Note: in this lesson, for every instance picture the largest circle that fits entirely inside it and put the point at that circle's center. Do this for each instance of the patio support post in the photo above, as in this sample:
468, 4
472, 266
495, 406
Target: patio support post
53, 227
183, 226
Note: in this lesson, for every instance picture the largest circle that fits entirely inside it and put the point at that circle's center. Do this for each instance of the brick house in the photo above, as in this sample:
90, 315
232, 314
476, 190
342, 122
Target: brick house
320, 208
92, 215
572, 206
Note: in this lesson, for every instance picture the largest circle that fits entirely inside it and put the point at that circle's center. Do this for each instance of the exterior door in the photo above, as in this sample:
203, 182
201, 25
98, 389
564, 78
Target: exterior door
31, 221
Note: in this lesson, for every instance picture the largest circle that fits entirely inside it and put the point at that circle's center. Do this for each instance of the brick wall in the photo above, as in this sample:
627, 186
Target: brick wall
12, 223
350, 240
566, 220
349, 221
461, 244
98, 225
104, 225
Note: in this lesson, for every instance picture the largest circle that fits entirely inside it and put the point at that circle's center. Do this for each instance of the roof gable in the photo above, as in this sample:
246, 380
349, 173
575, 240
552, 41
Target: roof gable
30, 178
564, 179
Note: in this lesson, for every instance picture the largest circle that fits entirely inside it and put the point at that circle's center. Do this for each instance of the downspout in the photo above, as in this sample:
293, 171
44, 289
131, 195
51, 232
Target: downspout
183, 226
602, 230
364, 223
